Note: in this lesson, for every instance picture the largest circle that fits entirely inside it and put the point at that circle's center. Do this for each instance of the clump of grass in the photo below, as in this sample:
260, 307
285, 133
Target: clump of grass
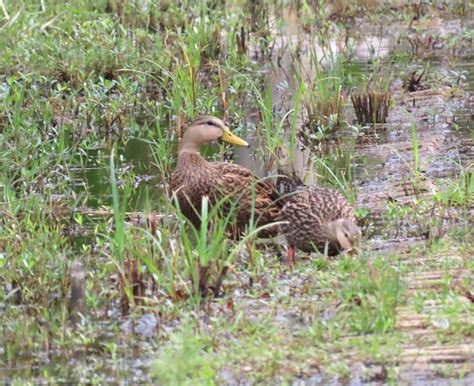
459, 191
335, 168
372, 104
207, 253
372, 294
371, 107
422, 42
327, 105
131, 283
188, 359
208, 257
324, 102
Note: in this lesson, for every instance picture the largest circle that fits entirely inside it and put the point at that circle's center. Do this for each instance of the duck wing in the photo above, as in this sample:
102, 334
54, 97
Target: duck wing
329, 205
236, 178
257, 198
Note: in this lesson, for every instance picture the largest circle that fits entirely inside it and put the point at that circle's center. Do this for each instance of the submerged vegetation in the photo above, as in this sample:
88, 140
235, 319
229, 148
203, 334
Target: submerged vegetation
103, 279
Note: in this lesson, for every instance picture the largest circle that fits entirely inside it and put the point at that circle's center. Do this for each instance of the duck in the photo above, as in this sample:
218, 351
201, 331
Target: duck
194, 178
314, 218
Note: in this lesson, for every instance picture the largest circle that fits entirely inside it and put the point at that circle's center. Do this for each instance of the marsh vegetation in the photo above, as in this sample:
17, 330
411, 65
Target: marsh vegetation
103, 280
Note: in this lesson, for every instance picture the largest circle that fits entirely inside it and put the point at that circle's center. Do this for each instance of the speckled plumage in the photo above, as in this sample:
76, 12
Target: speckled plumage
308, 212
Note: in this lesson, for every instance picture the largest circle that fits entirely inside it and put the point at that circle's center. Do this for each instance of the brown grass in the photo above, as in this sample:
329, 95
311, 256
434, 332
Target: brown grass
371, 107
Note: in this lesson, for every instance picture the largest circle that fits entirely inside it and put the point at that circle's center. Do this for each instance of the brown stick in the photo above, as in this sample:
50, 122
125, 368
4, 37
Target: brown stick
77, 301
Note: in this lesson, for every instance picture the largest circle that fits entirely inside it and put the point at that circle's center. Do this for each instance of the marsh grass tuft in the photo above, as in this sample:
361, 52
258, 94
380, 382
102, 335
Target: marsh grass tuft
187, 359
373, 294
323, 99
206, 250
325, 107
371, 107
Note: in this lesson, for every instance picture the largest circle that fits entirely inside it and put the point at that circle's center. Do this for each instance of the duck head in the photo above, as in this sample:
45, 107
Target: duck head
206, 130
346, 233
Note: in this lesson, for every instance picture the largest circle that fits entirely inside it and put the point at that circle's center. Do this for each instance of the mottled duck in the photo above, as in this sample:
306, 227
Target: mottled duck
317, 219
195, 178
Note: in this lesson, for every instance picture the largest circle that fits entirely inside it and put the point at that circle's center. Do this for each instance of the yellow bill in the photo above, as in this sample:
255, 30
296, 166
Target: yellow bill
233, 139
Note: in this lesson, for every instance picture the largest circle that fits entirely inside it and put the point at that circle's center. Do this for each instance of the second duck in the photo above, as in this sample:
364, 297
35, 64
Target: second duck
317, 219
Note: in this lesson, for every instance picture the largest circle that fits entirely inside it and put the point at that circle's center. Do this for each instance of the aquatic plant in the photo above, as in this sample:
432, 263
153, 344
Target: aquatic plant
371, 107
323, 99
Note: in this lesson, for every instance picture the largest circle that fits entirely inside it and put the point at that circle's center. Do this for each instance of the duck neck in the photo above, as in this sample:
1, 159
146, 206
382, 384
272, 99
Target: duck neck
188, 147
190, 156
329, 230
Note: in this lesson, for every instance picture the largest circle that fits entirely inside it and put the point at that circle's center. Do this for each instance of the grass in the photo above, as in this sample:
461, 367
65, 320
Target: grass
186, 360
94, 96
414, 141
371, 107
323, 98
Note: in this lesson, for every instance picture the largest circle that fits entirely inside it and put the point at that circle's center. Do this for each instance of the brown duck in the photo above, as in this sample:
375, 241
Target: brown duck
194, 178
316, 219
